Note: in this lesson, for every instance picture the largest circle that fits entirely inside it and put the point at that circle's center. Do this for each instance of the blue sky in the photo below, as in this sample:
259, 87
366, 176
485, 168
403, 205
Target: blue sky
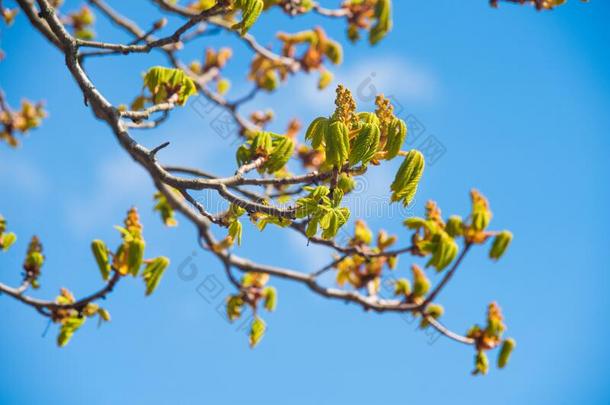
518, 99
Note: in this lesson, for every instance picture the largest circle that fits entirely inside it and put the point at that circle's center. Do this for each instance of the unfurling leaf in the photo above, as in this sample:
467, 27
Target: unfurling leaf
250, 11
397, 132
434, 311
346, 183
445, 250
223, 86
104, 314
384, 21
333, 51
505, 351
270, 295
281, 152
262, 144
325, 79
421, 284
407, 178
153, 272
235, 304
235, 231
337, 143
100, 252
454, 226
68, 327
257, 331
500, 244
316, 132
7, 240
365, 144
402, 287
165, 209
480, 215
362, 233
90, 309
169, 85
135, 255
243, 155
481, 363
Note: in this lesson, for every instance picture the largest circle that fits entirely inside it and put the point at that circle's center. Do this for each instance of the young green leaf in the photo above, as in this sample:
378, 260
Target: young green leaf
257, 331
505, 351
481, 363
500, 244
365, 144
281, 152
384, 21
235, 231
337, 143
100, 252
316, 132
270, 295
153, 272
250, 11
407, 178
135, 255
235, 305
68, 327
397, 132
421, 284
7, 240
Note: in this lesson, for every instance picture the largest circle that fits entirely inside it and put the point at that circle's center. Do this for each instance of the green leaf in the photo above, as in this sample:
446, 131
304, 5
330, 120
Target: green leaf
325, 79
7, 240
316, 132
165, 84
346, 183
312, 228
337, 144
100, 252
282, 149
481, 363
257, 331
433, 310
455, 226
235, 305
235, 231
104, 314
402, 287
365, 144
415, 223
445, 250
153, 272
421, 284
397, 132
165, 209
135, 255
384, 21
407, 178
369, 118
270, 295
505, 351
333, 51
265, 219
243, 155
250, 11
68, 327
500, 244
262, 144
